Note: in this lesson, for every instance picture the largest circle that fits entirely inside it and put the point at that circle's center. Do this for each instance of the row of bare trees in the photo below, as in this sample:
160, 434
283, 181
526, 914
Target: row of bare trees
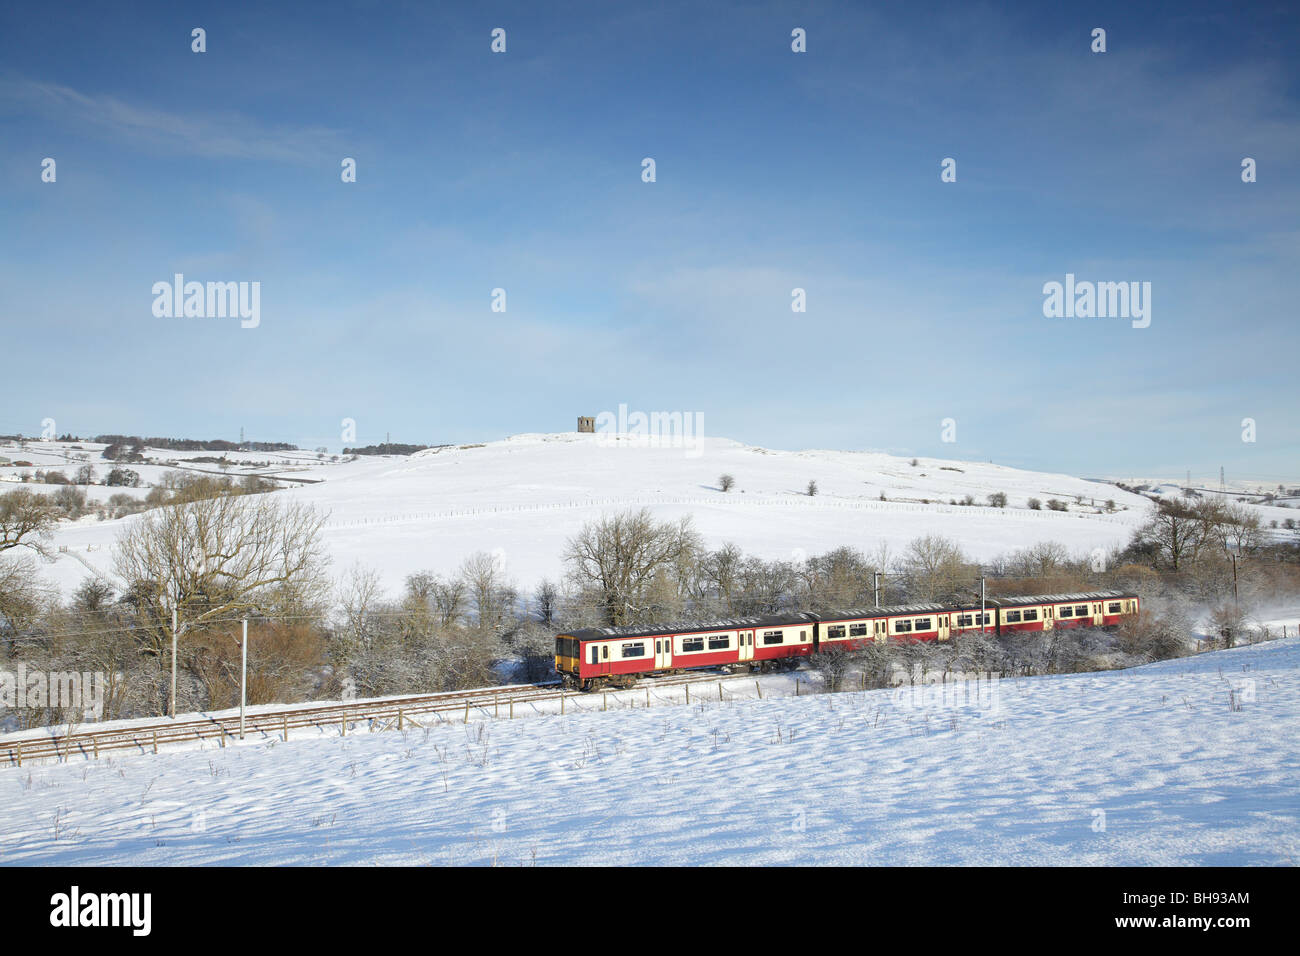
194, 569
211, 561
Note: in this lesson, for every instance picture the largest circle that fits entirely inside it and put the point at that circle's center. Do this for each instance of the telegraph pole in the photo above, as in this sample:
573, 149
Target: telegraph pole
877, 587
173, 707
983, 616
243, 680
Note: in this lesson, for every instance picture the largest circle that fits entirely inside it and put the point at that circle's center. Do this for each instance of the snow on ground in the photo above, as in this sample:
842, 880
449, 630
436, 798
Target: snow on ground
1151, 766
524, 496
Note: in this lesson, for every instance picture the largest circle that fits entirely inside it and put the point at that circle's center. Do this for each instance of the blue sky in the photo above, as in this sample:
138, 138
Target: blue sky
775, 170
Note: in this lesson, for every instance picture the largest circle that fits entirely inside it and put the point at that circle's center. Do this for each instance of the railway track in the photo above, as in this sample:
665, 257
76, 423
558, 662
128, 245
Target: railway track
390, 713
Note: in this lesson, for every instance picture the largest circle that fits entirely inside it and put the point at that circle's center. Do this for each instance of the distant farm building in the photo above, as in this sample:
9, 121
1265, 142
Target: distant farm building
586, 425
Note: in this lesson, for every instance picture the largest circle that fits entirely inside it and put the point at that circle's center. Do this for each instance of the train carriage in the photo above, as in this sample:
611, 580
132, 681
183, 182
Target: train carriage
590, 657
593, 657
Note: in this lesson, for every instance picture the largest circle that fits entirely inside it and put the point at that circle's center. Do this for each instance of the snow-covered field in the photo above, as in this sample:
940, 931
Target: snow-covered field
1154, 765
524, 496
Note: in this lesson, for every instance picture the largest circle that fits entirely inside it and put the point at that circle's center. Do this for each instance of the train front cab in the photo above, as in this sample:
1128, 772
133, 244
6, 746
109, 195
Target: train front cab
567, 651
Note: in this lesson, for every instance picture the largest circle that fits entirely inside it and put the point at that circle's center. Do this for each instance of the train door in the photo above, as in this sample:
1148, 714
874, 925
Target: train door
593, 653
663, 652
1049, 618
1096, 615
944, 620
746, 639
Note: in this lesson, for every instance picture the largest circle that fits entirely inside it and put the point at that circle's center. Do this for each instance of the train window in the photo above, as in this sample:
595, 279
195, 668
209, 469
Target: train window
1114, 608
604, 652
902, 627
1031, 615
773, 637
834, 631
719, 643
595, 654
1081, 611
857, 630
1066, 612
690, 644
923, 624
1013, 617
634, 650
965, 620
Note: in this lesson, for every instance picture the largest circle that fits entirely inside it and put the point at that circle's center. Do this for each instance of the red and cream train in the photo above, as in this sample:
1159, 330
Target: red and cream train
592, 657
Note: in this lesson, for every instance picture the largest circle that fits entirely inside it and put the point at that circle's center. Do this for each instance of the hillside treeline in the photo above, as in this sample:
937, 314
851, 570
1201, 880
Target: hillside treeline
216, 555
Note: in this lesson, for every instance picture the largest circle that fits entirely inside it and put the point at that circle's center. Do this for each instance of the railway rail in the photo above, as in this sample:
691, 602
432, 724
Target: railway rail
396, 712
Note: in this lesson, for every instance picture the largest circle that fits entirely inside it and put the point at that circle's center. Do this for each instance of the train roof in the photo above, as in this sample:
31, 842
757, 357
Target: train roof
1019, 600
841, 614
691, 627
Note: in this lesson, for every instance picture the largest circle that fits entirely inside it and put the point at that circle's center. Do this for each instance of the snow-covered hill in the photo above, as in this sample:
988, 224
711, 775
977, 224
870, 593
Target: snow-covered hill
522, 497
1183, 762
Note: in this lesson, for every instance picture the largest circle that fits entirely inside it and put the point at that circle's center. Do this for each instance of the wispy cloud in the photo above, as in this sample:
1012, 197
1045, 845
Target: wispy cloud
226, 135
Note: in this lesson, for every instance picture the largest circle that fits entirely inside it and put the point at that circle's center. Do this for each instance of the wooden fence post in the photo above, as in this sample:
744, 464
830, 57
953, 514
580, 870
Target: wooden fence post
96, 742
688, 694
719, 692
20, 754
759, 687
561, 703
155, 741
344, 720
286, 728
467, 711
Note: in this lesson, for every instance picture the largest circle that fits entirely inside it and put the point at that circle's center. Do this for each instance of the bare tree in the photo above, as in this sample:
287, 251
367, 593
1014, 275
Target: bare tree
21, 592
720, 572
1041, 559
1174, 531
544, 599
726, 482
449, 600
833, 662
1229, 621
765, 587
935, 567
489, 591
618, 557
26, 520
359, 592
222, 558
1239, 529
